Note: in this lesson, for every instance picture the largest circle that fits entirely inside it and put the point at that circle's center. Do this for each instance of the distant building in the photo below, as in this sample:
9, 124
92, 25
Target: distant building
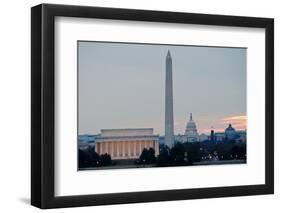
230, 133
212, 135
126, 143
87, 138
85, 145
219, 136
180, 138
191, 133
86, 141
203, 137
242, 136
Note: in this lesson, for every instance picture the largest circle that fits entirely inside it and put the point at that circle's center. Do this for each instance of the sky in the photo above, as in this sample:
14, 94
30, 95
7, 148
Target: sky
122, 85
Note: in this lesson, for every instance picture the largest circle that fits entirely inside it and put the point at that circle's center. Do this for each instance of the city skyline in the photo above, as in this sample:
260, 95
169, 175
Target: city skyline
209, 82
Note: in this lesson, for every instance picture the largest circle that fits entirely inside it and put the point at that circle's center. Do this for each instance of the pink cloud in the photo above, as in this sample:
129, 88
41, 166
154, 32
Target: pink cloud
238, 122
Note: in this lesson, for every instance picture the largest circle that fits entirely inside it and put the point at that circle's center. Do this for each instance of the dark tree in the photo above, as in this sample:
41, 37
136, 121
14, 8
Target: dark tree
178, 153
194, 151
94, 157
223, 150
83, 159
88, 158
164, 158
239, 151
147, 156
105, 159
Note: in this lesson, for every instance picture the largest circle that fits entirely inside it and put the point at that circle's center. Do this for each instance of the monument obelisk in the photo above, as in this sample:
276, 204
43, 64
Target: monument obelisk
169, 113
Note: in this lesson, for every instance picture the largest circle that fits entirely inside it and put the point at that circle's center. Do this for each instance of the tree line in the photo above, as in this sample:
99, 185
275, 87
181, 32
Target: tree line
180, 154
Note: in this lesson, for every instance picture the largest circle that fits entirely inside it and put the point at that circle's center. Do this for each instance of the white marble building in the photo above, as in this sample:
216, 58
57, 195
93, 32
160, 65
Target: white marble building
126, 143
191, 133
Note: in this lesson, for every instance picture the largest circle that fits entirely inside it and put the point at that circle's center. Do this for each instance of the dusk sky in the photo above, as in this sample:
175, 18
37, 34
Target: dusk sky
123, 86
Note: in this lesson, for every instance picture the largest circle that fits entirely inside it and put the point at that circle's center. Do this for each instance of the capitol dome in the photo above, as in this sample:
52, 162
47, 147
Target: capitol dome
191, 126
191, 131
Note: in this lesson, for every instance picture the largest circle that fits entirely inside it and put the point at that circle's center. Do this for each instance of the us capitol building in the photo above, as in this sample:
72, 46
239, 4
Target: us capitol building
191, 134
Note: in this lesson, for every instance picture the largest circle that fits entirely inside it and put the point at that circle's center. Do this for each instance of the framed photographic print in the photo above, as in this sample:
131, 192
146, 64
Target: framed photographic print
139, 106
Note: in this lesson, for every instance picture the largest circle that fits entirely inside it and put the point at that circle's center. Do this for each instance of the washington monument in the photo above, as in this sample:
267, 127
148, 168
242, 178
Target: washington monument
169, 113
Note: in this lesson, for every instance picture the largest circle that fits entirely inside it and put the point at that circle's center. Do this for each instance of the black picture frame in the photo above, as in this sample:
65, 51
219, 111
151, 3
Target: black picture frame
43, 105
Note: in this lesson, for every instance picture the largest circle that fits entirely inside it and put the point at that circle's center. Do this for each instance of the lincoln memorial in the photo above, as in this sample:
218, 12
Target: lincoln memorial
126, 143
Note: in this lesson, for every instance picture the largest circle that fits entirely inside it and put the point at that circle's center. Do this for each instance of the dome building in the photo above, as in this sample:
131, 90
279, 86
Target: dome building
230, 133
191, 133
